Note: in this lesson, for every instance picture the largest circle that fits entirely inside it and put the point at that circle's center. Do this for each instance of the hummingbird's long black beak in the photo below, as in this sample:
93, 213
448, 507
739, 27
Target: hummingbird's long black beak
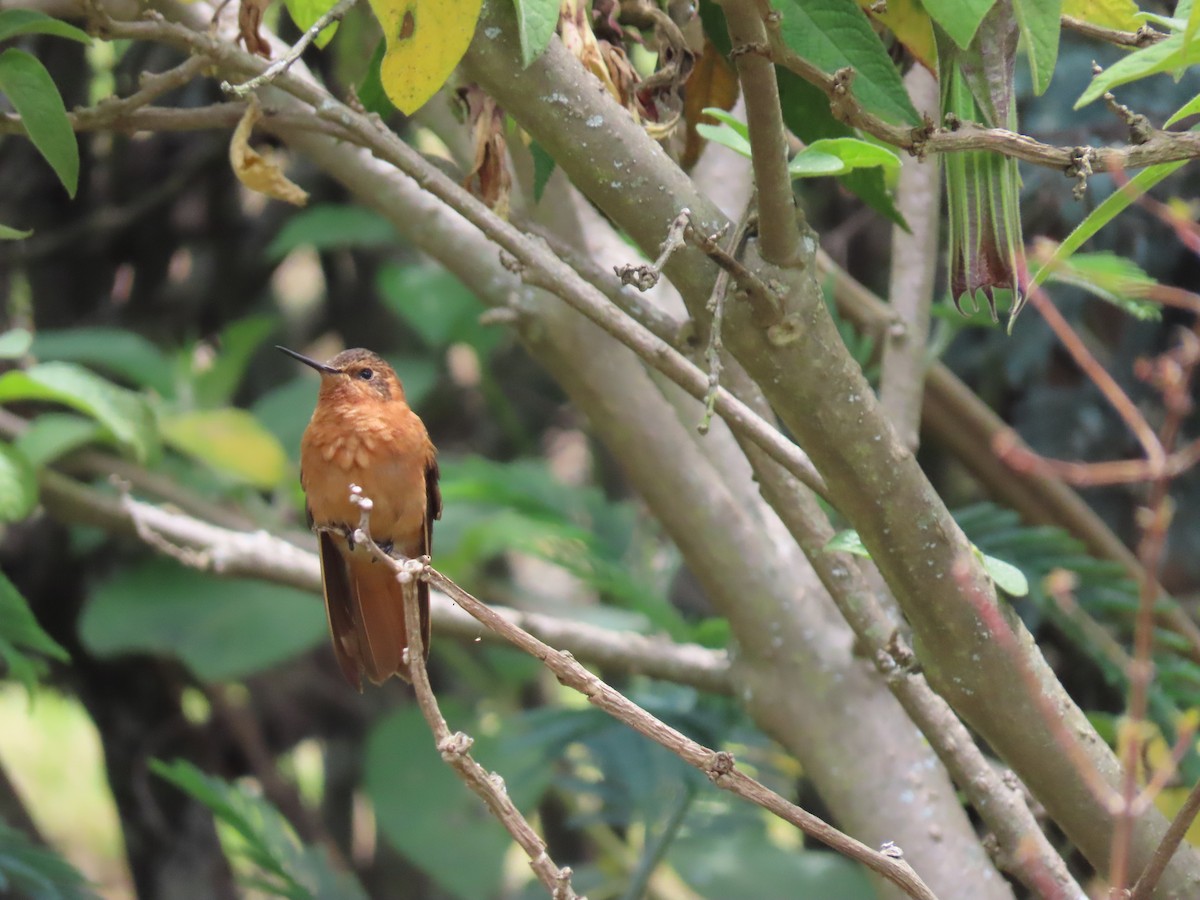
320, 367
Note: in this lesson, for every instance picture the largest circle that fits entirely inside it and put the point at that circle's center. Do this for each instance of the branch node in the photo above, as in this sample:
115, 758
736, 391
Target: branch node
785, 331
511, 263
720, 765
759, 49
842, 103
645, 276
1081, 168
1140, 129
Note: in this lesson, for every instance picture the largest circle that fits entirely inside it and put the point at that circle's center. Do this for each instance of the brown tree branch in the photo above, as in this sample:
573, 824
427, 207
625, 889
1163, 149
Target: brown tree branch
1143, 37
233, 553
1162, 146
454, 748
777, 213
719, 766
1021, 846
915, 254
820, 395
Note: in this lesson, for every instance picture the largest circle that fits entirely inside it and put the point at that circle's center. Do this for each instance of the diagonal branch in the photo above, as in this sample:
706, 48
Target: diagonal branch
719, 766
454, 748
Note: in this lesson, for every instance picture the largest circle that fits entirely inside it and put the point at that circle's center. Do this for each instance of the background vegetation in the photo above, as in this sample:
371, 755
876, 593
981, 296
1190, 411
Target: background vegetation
172, 721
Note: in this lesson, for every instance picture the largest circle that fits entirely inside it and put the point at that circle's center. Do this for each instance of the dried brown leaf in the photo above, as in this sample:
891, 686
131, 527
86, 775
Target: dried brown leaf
713, 82
489, 178
258, 172
250, 16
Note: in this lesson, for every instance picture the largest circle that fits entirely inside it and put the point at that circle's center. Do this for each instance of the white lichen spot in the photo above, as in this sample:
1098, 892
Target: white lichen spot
594, 121
491, 33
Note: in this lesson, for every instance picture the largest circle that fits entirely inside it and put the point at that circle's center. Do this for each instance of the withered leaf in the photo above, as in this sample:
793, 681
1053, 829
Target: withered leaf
258, 172
489, 178
713, 82
250, 16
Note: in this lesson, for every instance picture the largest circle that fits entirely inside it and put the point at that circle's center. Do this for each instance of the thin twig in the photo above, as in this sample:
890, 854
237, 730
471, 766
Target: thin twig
1143, 37
1107, 385
1176, 832
1172, 375
716, 307
286, 61
454, 747
644, 276
1163, 146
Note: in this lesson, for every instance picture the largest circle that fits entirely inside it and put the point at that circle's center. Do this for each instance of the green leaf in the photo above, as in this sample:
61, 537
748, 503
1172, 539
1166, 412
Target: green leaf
124, 414
236, 344
116, 351
959, 18
1193, 22
854, 154
20, 634
32, 872
543, 168
741, 859
847, 541
51, 436
1114, 279
230, 440
8, 233
1118, 14
15, 343
810, 163
833, 34
1007, 577
33, 95
18, 485
265, 852
222, 629
1040, 24
536, 23
436, 305
1188, 109
1167, 55
327, 226
726, 136
305, 14
15, 22
1112, 205
371, 93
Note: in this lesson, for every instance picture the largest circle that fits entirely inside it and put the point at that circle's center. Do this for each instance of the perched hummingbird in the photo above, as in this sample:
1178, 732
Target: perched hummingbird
363, 432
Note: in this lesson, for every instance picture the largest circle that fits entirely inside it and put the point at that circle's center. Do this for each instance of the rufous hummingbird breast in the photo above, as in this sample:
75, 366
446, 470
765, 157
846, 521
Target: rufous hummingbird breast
364, 433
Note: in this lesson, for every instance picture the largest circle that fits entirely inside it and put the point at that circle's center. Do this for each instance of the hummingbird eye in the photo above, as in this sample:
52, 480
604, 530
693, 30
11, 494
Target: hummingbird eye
365, 374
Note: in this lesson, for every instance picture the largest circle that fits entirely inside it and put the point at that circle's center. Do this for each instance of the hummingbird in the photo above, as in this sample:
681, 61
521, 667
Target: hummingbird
364, 433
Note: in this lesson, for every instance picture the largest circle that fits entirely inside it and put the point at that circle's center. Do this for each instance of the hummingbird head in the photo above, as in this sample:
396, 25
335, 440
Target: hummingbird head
354, 376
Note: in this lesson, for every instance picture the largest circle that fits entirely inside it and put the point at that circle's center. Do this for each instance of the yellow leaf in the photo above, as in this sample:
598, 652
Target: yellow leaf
1119, 14
257, 172
909, 22
425, 41
231, 441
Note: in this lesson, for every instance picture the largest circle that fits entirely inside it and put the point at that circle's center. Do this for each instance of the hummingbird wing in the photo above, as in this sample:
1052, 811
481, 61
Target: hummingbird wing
433, 510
